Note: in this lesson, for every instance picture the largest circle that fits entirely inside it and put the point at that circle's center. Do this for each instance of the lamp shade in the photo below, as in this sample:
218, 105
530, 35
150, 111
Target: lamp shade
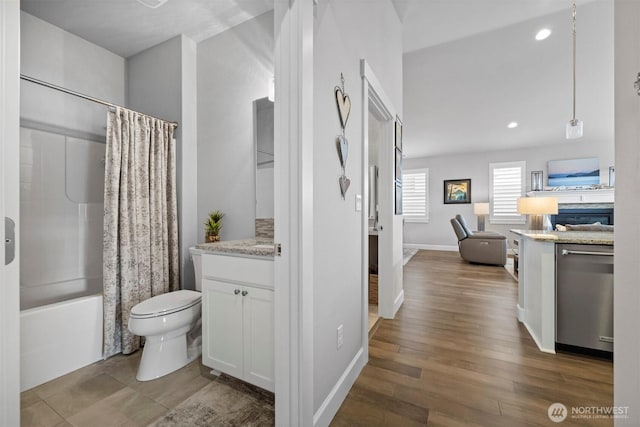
481, 208
538, 205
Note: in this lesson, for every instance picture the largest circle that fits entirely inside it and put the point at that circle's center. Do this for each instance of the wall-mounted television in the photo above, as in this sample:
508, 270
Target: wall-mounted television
574, 172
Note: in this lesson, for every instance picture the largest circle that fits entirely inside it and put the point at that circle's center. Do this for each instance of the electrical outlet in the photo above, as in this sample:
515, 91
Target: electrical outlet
358, 202
340, 337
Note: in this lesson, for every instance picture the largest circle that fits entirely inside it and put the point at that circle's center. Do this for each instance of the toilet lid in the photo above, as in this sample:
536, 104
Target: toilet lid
164, 304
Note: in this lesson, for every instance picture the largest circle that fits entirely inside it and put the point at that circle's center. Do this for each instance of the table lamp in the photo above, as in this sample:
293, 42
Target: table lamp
481, 210
538, 209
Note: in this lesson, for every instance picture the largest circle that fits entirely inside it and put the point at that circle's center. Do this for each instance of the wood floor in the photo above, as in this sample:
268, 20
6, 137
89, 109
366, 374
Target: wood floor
456, 356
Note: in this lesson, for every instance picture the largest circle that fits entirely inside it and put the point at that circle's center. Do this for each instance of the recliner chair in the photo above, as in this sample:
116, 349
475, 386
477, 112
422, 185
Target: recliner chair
481, 247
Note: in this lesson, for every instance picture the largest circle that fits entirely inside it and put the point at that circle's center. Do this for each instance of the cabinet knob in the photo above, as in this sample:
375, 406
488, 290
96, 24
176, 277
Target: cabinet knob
237, 291
244, 293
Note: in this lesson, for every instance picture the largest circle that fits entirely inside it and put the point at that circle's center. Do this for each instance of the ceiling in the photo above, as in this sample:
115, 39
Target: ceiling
127, 27
431, 22
470, 66
461, 90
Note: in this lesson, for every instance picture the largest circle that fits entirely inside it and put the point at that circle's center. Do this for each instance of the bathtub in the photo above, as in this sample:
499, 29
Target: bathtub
58, 337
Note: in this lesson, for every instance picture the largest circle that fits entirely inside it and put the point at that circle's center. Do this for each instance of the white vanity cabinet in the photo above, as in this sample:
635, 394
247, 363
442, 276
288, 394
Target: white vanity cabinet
237, 317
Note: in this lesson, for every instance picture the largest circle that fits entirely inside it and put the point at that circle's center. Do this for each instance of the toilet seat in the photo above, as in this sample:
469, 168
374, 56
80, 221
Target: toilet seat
165, 304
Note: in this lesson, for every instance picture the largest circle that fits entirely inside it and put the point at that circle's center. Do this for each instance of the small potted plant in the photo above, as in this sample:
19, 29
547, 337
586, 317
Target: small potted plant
213, 225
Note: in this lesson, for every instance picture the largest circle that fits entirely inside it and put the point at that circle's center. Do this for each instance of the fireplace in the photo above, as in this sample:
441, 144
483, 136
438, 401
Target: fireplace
583, 216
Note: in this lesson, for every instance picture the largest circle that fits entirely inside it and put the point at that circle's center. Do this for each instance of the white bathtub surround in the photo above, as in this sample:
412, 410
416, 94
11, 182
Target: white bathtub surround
61, 214
59, 338
61, 254
141, 257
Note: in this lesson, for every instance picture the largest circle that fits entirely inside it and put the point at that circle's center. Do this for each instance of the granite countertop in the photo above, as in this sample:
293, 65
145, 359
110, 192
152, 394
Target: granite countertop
244, 248
580, 237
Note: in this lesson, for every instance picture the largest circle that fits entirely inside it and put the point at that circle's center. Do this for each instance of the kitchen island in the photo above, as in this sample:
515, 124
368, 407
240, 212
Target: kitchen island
536, 307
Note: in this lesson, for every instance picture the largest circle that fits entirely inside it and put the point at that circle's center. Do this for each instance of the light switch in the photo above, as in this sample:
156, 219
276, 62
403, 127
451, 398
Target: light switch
358, 202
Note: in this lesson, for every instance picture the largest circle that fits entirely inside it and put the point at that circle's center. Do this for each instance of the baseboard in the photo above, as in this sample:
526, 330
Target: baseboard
398, 302
520, 312
537, 341
431, 247
339, 392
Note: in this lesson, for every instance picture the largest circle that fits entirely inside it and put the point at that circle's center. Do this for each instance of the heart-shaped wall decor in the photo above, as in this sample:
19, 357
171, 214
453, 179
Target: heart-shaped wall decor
344, 184
343, 150
344, 106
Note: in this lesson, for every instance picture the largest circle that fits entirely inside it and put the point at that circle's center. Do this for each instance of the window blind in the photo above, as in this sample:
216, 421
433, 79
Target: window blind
507, 185
415, 195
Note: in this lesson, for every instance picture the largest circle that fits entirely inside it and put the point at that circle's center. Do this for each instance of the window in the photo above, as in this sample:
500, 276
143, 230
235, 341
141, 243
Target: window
506, 185
415, 195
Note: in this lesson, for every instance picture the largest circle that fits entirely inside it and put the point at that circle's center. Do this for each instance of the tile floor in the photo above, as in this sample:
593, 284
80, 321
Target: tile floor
108, 394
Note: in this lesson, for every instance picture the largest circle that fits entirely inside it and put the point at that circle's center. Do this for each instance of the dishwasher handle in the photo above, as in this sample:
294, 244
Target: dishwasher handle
568, 252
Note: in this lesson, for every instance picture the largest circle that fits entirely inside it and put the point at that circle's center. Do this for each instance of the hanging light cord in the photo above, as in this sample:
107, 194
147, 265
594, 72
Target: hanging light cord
573, 121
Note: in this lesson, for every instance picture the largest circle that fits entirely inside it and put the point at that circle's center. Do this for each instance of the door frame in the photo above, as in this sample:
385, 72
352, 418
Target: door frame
293, 212
373, 94
9, 206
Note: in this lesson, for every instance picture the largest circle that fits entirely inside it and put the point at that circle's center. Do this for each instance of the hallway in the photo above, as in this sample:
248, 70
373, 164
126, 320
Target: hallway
456, 356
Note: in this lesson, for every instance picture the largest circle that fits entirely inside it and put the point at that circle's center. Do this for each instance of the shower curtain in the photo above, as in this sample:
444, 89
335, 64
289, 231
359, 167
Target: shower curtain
140, 221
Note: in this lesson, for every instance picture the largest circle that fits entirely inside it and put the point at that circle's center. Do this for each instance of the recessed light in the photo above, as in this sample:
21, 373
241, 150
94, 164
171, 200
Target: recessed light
543, 34
152, 4
512, 125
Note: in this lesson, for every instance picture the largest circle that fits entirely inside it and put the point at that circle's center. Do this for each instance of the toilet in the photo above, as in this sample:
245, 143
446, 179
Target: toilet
172, 327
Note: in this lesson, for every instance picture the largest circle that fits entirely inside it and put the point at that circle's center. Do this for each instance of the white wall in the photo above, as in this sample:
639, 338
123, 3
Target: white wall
62, 177
344, 32
627, 232
153, 80
234, 69
56, 56
161, 83
438, 230
190, 227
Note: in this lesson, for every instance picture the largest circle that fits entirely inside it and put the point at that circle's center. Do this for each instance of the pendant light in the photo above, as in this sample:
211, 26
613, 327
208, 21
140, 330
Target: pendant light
574, 126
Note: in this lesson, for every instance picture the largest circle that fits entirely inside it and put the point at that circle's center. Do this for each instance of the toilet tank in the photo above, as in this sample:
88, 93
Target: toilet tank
196, 256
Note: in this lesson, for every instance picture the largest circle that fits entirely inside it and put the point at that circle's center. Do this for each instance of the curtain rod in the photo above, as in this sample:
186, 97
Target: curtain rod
83, 96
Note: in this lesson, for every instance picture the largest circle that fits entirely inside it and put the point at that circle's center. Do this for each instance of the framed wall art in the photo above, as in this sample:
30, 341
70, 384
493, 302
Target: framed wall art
574, 172
457, 191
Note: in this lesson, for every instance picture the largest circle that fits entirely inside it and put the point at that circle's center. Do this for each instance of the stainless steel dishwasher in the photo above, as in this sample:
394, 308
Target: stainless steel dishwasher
584, 296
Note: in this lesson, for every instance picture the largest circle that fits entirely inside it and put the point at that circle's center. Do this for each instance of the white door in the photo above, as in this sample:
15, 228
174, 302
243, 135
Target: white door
258, 337
222, 326
9, 207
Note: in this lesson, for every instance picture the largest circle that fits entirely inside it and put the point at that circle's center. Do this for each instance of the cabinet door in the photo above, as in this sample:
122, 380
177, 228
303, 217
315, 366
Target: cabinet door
222, 326
258, 337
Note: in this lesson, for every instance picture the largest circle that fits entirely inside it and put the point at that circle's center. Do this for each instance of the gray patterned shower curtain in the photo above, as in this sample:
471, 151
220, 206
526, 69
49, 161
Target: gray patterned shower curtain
140, 221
